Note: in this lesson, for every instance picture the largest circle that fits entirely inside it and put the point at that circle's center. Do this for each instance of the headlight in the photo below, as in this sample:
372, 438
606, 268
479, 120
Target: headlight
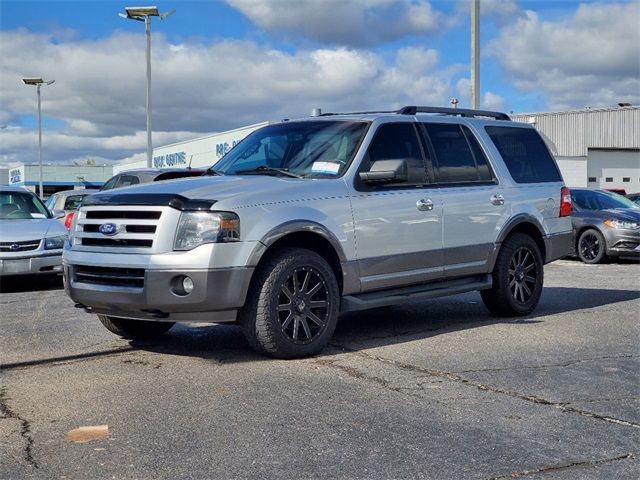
54, 243
198, 228
621, 224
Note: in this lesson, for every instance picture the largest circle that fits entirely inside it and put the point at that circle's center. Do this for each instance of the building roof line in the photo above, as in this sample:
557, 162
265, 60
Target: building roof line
581, 110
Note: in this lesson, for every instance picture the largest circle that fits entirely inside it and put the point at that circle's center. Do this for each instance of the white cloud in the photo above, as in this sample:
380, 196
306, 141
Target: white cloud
99, 94
355, 23
590, 59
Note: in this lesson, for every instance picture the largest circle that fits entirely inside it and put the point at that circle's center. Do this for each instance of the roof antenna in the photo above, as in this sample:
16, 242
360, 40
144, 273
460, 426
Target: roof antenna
189, 166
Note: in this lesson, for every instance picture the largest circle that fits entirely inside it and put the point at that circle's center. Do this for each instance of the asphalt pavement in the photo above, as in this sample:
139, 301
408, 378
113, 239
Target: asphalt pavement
436, 389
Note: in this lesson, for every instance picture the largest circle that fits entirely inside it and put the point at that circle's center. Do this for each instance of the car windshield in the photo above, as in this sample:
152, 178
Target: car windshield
296, 149
20, 206
598, 200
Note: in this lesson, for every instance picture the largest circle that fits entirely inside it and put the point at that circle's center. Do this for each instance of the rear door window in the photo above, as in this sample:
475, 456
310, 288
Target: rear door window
458, 156
525, 154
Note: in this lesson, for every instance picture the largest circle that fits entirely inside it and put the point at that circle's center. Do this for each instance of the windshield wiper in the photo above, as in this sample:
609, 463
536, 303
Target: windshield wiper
267, 169
211, 171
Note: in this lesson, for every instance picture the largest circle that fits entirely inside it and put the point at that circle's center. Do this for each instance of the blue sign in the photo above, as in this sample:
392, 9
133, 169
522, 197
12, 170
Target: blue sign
170, 160
15, 175
223, 148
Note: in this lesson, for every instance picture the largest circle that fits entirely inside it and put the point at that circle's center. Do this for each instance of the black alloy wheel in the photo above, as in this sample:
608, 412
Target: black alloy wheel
522, 275
292, 305
517, 278
591, 247
303, 305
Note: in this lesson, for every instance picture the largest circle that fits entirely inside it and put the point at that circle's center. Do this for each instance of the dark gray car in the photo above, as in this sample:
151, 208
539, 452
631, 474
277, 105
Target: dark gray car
605, 224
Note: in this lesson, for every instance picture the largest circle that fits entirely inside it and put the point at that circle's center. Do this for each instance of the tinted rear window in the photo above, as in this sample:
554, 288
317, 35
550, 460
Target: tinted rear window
459, 158
525, 154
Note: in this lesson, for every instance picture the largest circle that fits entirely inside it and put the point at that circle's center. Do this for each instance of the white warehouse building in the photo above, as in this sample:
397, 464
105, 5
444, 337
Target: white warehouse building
199, 152
595, 148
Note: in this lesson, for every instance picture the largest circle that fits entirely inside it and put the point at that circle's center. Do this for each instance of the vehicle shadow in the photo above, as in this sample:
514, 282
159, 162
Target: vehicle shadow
384, 326
30, 283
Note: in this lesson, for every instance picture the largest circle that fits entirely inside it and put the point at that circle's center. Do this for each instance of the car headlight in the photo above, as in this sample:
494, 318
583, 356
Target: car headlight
611, 223
198, 228
54, 243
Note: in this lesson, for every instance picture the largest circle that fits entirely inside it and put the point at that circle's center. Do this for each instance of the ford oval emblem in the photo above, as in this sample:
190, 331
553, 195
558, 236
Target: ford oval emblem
108, 229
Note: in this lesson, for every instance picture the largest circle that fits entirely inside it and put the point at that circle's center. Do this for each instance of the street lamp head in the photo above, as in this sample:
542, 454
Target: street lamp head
141, 12
32, 80
36, 81
167, 14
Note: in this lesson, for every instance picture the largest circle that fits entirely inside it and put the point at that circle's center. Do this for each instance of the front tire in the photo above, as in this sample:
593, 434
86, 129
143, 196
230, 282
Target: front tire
591, 246
135, 329
518, 277
293, 304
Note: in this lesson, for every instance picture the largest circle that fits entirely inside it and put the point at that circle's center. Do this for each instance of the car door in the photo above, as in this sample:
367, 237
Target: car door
398, 226
474, 204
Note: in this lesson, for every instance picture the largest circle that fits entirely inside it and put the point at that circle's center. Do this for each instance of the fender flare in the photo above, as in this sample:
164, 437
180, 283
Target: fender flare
295, 226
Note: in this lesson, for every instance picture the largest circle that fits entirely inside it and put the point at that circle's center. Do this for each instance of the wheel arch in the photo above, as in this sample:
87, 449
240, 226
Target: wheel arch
529, 226
314, 237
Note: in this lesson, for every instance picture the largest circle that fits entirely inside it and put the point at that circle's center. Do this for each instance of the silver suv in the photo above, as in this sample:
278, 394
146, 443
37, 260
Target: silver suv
305, 219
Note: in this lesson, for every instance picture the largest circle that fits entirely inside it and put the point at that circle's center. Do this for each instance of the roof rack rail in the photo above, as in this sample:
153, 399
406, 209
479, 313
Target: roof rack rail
328, 114
463, 112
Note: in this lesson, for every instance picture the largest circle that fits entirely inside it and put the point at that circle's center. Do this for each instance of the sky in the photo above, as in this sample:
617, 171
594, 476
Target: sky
223, 64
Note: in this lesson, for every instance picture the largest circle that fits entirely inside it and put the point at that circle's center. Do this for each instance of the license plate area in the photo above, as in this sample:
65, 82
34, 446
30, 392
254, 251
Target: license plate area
16, 266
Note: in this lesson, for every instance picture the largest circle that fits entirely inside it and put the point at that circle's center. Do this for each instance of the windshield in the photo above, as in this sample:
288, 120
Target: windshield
598, 200
20, 206
304, 149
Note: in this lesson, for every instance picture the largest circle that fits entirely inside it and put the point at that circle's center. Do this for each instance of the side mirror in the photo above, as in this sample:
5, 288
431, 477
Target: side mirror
58, 213
386, 171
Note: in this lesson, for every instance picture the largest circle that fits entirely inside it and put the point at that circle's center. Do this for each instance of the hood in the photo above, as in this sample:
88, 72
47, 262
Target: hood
33, 229
627, 214
189, 193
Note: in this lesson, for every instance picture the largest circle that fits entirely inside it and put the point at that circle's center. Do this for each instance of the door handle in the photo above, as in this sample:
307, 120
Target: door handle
424, 204
497, 199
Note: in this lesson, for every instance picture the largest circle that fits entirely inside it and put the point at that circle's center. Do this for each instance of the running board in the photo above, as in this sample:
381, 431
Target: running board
397, 296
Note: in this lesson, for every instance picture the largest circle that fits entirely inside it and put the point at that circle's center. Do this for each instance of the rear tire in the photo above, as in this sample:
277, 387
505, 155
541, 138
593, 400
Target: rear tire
135, 329
518, 277
591, 246
292, 306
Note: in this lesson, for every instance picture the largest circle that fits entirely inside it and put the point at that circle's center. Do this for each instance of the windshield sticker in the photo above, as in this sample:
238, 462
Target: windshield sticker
329, 168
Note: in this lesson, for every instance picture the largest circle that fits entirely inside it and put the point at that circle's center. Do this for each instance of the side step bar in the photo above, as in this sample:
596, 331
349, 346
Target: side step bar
397, 296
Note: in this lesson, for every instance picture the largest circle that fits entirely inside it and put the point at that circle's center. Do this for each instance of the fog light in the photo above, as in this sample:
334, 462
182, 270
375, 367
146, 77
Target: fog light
187, 285
182, 285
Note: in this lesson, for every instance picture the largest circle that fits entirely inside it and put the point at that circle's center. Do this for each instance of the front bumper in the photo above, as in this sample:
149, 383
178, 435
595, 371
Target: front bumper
29, 265
216, 296
622, 242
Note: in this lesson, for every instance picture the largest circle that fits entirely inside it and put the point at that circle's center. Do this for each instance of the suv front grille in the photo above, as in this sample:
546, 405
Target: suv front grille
19, 246
117, 214
114, 277
135, 227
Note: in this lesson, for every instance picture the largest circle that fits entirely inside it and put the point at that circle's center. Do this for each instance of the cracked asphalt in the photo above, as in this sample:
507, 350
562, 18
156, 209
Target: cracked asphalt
436, 389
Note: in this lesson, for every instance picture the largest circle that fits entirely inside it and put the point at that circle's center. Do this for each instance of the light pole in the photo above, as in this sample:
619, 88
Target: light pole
144, 14
38, 82
475, 54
